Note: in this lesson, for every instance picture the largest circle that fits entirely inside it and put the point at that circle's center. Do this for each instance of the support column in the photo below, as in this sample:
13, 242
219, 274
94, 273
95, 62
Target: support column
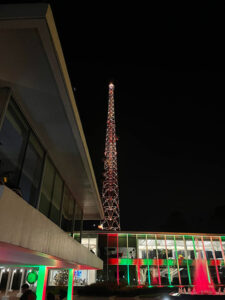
8, 282
11, 281
70, 285
42, 283
167, 260
157, 257
1, 273
178, 268
22, 278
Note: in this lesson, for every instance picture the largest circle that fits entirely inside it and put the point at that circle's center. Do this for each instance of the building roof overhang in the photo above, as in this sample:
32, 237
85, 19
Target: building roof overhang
33, 65
27, 237
156, 233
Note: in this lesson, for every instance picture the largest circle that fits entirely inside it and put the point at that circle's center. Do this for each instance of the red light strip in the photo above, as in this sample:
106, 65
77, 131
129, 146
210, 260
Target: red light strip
168, 267
207, 268
118, 273
159, 276
178, 269
139, 274
45, 284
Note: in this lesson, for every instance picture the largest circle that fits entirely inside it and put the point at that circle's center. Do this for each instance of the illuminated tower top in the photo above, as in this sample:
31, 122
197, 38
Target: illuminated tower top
110, 189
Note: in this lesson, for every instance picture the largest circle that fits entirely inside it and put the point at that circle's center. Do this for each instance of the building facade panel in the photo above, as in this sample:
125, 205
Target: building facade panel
159, 259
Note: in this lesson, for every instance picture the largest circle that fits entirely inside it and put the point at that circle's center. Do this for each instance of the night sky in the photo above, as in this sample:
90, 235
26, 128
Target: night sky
168, 69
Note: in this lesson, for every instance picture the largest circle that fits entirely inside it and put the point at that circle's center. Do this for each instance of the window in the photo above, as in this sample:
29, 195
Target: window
67, 211
142, 250
170, 247
122, 247
22, 159
78, 221
13, 140
217, 249
161, 248
151, 246
90, 243
190, 248
132, 246
180, 247
208, 249
51, 193
32, 171
56, 200
47, 188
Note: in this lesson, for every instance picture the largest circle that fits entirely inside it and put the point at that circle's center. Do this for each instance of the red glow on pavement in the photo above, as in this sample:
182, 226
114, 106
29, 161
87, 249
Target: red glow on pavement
201, 282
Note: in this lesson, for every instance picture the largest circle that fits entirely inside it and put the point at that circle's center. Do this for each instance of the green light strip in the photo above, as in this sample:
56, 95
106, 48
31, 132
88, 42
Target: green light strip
189, 274
149, 276
41, 283
194, 247
128, 268
70, 285
169, 277
186, 260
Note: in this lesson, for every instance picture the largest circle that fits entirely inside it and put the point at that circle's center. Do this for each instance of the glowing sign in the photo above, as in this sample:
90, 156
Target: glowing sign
32, 277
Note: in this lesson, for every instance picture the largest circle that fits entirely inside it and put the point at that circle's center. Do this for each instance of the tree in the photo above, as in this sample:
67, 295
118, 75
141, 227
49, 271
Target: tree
61, 278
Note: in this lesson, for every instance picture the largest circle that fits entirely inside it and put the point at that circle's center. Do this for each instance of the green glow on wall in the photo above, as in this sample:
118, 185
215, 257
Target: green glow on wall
70, 284
42, 282
125, 261
128, 275
170, 262
149, 277
169, 278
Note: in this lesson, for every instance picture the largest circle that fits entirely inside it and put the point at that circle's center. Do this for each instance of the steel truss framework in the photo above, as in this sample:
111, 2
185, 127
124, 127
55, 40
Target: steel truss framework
110, 190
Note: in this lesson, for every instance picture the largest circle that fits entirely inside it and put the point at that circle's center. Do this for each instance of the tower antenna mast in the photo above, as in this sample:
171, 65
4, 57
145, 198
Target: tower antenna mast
110, 189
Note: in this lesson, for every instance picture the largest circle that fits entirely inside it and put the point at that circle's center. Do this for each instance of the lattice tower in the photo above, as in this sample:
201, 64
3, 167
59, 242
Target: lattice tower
110, 189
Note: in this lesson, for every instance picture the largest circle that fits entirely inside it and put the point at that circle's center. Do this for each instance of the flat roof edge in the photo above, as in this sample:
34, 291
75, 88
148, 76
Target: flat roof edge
23, 11
152, 233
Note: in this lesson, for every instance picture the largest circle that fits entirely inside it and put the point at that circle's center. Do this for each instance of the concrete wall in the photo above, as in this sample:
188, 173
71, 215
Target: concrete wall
21, 225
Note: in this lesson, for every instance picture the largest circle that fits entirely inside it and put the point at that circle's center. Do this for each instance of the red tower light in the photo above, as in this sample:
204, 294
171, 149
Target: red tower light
110, 189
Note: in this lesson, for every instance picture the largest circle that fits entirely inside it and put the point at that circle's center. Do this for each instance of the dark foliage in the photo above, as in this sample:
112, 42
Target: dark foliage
111, 289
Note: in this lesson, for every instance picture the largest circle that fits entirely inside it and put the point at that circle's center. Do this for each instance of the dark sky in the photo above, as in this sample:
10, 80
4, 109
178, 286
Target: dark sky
168, 68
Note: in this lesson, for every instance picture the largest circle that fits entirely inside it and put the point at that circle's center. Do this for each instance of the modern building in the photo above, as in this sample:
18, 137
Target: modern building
156, 258
48, 186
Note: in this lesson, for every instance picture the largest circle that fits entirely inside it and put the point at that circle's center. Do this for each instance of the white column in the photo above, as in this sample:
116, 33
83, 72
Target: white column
8, 282
22, 278
1, 272
11, 281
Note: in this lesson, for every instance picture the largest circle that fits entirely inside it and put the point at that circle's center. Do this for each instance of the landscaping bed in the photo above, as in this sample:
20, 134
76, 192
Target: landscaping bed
108, 289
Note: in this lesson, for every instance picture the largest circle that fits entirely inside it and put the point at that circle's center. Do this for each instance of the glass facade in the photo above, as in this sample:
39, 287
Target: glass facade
159, 259
26, 168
